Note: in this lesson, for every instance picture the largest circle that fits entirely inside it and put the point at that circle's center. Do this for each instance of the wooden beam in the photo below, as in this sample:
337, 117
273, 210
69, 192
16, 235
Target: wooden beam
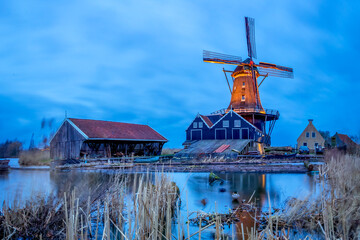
227, 80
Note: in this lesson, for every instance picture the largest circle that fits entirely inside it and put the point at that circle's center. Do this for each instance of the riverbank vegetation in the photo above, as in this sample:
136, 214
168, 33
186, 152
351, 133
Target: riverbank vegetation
105, 212
148, 207
336, 212
35, 157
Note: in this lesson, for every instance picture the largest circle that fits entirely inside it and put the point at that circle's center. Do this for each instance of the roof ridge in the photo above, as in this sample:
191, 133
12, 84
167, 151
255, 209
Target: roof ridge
108, 121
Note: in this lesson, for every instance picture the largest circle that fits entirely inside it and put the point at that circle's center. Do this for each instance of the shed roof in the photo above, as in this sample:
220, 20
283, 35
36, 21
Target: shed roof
346, 139
97, 129
210, 146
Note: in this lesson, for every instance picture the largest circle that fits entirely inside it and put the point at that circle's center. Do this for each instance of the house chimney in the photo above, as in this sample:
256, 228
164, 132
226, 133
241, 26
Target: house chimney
311, 120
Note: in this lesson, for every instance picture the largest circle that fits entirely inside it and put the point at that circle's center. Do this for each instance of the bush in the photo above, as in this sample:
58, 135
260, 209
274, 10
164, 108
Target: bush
35, 157
10, 149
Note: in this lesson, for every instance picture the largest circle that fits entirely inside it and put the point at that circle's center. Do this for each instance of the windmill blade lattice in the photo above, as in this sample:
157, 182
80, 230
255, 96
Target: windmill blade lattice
250, 36
275, 73
275, 70
214, 57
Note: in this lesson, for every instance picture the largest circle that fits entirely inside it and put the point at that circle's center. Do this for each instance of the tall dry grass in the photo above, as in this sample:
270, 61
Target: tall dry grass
114, 213
148, 207
35, 157
335, 213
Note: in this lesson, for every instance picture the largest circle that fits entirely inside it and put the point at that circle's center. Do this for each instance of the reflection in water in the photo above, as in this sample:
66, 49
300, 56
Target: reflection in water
194, 188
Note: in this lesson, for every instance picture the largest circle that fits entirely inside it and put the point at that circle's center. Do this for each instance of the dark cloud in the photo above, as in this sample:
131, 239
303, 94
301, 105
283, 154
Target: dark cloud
141, 62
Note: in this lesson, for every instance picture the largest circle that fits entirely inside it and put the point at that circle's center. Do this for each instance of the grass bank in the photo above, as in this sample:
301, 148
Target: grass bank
35, 157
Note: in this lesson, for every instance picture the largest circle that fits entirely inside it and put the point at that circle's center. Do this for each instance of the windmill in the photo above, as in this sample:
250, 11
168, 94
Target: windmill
245, 97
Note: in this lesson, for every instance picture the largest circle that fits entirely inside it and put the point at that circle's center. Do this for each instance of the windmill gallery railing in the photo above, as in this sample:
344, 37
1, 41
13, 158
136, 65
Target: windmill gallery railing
250, 110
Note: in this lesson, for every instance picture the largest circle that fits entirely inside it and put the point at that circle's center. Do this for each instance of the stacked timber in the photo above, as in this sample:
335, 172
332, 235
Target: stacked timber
279, 152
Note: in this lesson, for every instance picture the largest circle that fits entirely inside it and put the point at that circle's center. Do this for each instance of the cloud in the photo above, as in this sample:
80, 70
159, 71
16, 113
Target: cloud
140, 61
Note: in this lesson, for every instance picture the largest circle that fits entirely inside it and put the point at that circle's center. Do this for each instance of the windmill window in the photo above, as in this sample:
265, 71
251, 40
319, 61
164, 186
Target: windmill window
307, 134
237, 123
195, 125
225, 123
313, 134
243, 85
243, 98
200, 125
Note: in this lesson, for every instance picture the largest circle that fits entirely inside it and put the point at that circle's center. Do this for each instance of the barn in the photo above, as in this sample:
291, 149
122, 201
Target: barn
85, 138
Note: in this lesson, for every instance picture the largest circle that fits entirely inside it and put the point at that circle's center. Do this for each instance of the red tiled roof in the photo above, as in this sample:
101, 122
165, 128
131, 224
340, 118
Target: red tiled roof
346, 139
116, 130
207, 120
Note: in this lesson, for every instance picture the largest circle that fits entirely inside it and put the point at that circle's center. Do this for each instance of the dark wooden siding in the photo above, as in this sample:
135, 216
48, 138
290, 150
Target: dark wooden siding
66, 143
229, 132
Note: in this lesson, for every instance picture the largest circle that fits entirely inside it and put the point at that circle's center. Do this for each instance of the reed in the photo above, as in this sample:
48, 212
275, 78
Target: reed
148, 207
148, 214
335, 213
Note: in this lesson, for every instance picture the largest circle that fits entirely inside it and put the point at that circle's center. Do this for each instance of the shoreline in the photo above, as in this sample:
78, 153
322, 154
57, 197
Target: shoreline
263, 166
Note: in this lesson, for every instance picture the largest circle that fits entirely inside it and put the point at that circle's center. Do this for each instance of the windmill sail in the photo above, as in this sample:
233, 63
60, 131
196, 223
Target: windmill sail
275, 70
221, 58
250, 36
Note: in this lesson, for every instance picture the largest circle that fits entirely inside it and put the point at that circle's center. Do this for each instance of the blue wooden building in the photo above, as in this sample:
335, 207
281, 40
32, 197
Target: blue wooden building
218, 127
221, 134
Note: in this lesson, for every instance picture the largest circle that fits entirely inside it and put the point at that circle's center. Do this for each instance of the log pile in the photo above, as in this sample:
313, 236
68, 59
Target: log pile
278, 150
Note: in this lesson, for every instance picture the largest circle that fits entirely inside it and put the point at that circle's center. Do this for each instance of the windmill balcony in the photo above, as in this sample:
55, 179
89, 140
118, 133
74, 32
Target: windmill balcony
270, 112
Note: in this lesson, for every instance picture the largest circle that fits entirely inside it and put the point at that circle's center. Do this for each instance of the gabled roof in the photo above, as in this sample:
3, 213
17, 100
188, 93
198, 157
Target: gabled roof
346, 139
215, 117
310, 127
233, 112
97, 129
207, 120
212, 120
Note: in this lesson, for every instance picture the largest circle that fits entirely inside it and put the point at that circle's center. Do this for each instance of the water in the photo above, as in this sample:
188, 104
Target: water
194, 187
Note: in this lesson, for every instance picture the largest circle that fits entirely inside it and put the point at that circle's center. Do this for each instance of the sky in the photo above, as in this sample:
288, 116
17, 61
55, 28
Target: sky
141, 62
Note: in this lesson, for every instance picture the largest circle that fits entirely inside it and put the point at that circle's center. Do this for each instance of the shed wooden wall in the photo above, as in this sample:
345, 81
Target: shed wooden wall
66, 144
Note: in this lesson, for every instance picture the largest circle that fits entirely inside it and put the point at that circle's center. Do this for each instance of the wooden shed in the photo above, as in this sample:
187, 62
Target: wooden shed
79, 138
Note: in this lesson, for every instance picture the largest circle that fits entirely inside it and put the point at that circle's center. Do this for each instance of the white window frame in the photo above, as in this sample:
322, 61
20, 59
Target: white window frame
313, 134
195, 125
307, 134
226, 121
221, 129
243, 98
237, 121
194, 130
200, 125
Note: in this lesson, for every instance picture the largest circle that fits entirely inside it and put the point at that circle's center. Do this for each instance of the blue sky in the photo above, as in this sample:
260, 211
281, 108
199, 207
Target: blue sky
141, 62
